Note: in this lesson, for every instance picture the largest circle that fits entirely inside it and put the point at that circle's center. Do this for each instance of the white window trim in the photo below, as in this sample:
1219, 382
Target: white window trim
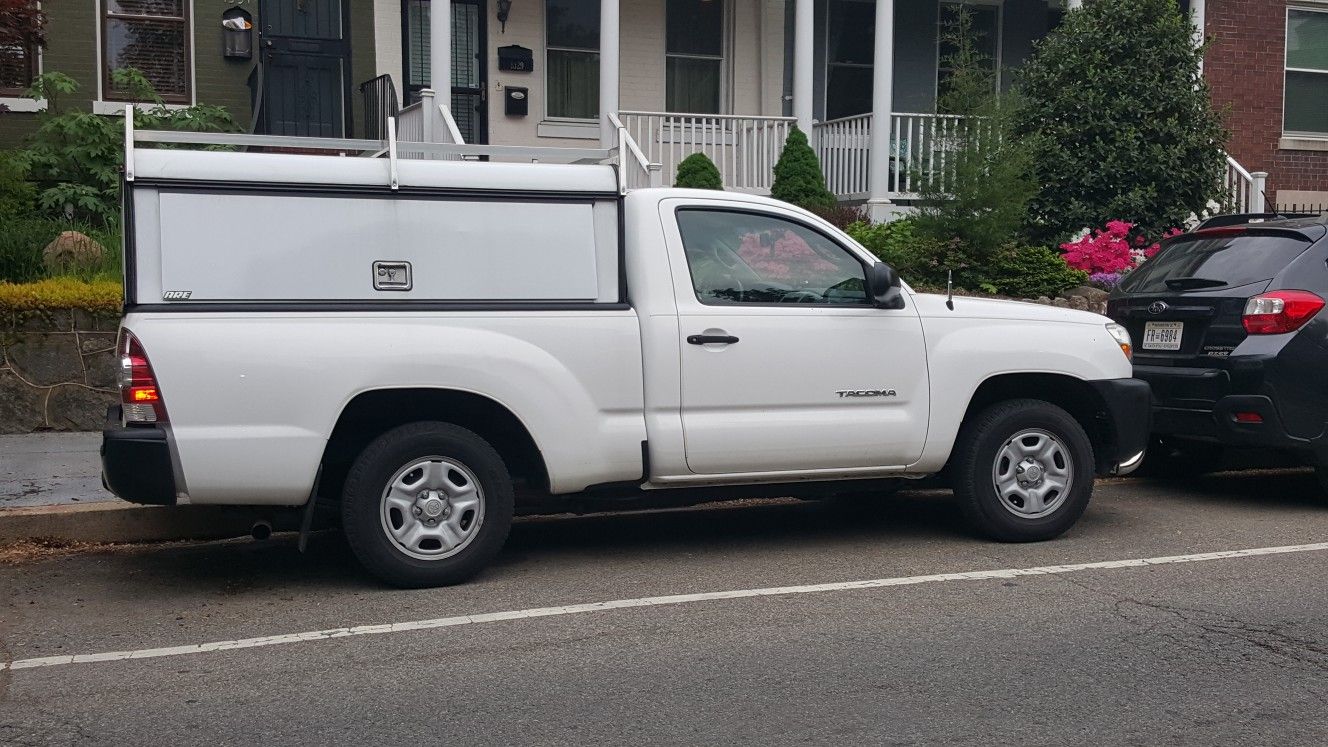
551, 120
1296, 139
102, 106
22, 104
722, 58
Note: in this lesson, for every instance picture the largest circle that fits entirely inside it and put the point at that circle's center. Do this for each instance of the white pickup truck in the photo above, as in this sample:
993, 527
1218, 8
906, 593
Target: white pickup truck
435, 345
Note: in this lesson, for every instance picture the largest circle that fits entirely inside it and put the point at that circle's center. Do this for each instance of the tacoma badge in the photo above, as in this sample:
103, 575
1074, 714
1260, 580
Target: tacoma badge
867, 393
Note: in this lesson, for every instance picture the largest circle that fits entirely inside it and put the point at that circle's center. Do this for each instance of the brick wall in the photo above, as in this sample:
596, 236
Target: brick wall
1244, 68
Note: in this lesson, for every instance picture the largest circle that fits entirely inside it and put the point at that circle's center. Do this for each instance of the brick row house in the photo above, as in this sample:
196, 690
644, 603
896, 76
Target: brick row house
728, 77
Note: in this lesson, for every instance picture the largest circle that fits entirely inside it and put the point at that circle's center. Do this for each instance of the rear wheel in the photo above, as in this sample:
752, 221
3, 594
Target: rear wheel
427, 504
1023, 471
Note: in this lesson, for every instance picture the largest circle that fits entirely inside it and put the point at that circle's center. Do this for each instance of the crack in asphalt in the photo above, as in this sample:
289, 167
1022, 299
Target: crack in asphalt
1229, 638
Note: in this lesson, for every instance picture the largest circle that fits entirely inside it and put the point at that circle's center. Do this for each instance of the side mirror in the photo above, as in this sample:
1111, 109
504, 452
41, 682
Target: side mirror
883, 284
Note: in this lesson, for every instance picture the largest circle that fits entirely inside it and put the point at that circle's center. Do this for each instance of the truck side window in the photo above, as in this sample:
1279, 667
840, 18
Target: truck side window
748, 258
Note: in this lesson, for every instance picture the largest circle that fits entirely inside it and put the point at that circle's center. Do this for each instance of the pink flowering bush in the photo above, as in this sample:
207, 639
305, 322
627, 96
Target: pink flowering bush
1112, 250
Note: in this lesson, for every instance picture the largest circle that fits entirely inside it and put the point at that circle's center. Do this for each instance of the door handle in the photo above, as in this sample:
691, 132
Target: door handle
711, 340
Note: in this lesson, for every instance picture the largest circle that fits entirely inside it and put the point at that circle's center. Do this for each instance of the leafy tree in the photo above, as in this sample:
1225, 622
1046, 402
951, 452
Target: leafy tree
978, 195
798, 177
1120, 121
75, 157
697, 171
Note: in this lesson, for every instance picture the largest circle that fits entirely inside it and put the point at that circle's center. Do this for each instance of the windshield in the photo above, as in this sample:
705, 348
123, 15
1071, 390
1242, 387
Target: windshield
1202, 263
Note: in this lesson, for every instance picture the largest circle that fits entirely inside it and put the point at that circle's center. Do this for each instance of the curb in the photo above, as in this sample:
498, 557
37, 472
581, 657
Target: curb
116, 522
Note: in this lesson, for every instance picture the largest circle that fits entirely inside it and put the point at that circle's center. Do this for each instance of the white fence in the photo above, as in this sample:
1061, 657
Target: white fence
744, 148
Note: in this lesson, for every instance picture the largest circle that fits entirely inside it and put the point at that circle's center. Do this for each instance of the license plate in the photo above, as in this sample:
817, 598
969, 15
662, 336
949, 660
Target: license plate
1162, 335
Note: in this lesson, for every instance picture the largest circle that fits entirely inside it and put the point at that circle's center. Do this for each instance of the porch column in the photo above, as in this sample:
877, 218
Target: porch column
440, 49
1197, 17
883, 79
608, 70
803, 43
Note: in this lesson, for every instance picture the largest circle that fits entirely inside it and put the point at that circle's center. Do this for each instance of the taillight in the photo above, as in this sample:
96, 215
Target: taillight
1280, 312
139, 396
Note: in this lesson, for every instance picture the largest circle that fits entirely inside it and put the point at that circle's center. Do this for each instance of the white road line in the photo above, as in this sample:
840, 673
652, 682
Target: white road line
576, 609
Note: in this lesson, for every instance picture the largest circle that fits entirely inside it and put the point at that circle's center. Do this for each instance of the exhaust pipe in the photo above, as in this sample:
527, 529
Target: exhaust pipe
261, 530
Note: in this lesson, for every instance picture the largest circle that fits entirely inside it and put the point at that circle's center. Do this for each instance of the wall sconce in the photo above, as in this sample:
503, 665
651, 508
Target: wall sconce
504, 8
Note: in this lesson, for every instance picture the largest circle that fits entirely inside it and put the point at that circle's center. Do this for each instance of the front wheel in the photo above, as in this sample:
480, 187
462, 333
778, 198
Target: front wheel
1023, 471
427, 504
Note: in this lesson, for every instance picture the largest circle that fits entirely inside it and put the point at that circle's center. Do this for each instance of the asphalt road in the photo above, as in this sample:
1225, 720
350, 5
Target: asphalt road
1215, 651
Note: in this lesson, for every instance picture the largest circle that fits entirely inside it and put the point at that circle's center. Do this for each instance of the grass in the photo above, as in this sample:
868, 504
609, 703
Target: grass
97, 296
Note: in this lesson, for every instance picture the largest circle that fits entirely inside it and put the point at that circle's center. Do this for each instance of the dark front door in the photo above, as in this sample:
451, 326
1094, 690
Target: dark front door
469, 51
306, 66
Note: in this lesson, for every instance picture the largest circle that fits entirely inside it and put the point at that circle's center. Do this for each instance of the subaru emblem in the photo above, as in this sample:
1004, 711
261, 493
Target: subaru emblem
1157, 307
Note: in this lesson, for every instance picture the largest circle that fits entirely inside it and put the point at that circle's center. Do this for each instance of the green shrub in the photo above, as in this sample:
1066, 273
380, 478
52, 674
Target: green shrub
798, 177
1120, 121
1029, 272
75, 156
697, 171
22, 240
921, 260
978, 194
17, 195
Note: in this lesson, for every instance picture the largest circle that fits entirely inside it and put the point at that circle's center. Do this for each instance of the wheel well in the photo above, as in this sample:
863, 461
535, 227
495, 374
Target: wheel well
371, 414
1075, 396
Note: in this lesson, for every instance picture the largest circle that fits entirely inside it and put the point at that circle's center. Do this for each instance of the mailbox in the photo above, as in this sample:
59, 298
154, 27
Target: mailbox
237, 29
516, 101
515, 59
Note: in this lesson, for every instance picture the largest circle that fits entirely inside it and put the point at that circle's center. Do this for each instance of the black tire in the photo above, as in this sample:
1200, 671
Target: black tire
362, 501
981, 440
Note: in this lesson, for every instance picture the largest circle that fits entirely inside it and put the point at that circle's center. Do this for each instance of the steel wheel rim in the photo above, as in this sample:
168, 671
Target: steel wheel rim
432, 508
1033, 473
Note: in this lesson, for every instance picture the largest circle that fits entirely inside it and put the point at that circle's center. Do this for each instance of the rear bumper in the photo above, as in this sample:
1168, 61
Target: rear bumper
1220, 425
1127, 407
136, 462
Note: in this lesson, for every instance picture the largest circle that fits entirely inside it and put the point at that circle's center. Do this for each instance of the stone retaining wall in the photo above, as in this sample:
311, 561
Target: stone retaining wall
57, 370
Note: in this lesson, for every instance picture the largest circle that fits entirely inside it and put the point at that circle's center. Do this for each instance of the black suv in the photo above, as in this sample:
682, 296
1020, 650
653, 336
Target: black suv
1228, 332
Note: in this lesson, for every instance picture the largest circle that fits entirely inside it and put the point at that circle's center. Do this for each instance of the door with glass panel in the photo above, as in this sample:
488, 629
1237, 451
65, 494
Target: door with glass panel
469, 74
785, 362
306, 63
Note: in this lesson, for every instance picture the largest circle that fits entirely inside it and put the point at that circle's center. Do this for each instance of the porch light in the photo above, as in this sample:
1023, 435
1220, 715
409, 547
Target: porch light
504, 8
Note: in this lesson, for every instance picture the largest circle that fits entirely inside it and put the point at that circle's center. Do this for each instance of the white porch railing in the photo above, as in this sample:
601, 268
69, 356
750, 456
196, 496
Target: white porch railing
919, 147
426, 121
1244, 190
745, 148
843, 146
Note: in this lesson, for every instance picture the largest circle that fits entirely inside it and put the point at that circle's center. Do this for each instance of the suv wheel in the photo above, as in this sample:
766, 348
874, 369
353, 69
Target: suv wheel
1023, 471
427, 504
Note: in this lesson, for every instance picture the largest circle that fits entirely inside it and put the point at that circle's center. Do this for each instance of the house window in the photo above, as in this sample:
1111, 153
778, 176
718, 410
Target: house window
1307, 72
984, 25
151, 36
694, 56
850, 53
571, 29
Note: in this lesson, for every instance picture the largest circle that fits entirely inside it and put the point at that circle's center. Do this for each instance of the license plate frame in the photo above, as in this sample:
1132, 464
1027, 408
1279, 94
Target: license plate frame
1158, 336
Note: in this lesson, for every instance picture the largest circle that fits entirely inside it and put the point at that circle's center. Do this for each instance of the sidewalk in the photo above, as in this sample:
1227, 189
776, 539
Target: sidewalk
51, 469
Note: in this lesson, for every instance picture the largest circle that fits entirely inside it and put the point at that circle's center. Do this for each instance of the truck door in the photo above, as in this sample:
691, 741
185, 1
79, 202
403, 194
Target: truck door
785, 365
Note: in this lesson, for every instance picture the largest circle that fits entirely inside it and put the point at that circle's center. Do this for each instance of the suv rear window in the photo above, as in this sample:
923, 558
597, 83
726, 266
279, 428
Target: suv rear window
1228, 260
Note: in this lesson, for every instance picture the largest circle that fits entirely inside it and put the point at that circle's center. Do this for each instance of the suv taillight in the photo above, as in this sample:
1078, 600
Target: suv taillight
139, 396
1280, 312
